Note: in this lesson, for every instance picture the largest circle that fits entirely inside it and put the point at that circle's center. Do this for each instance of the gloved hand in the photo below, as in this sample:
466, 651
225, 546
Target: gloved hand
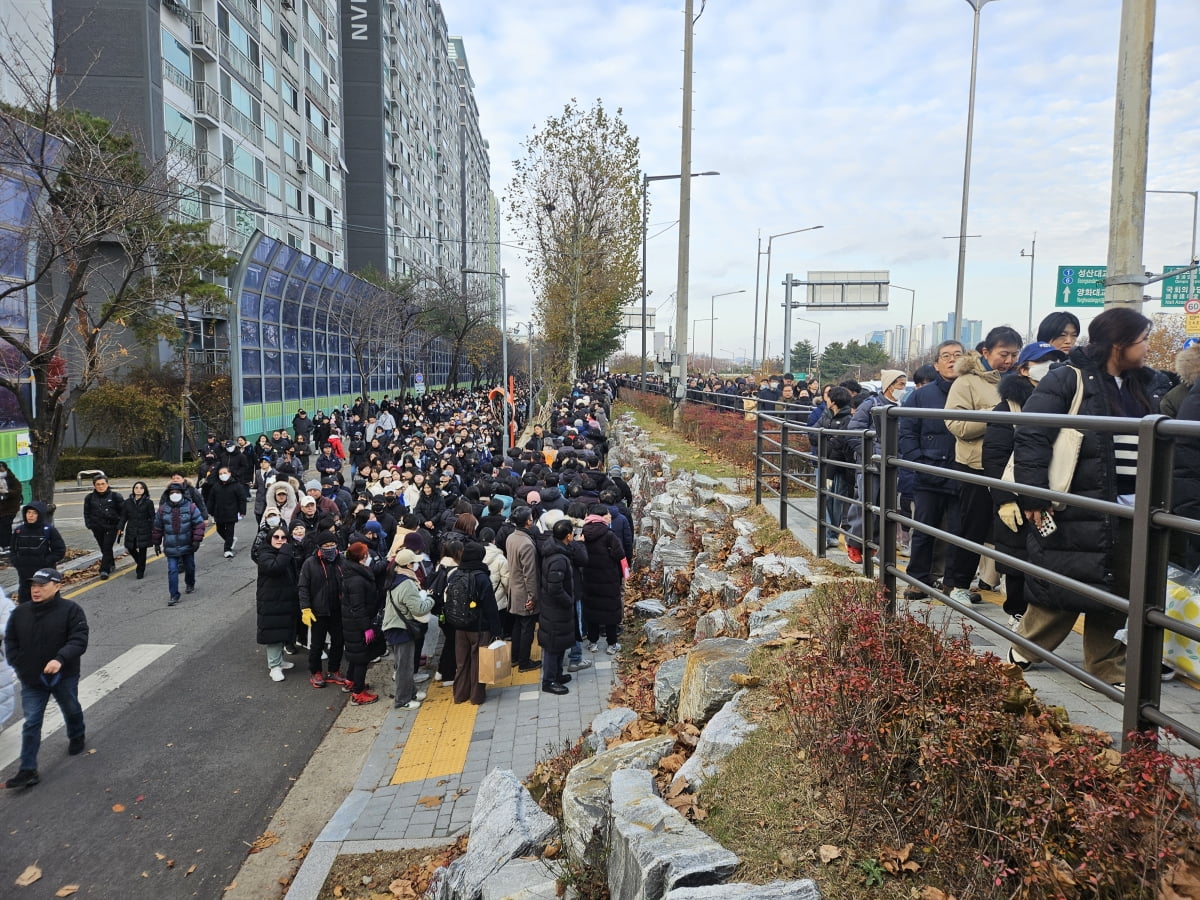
1011, 515
158, 549
369, 635
308, 617
196, 547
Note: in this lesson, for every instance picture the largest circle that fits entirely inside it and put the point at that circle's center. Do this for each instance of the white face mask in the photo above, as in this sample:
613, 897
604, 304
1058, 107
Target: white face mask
272, 520
1038, 370
176, 497
224, 476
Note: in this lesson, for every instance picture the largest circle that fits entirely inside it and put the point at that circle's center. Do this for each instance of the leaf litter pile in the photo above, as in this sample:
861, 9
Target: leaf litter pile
388, 874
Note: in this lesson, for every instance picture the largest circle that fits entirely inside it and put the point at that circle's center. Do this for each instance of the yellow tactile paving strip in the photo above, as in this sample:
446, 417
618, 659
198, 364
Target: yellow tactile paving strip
440, 737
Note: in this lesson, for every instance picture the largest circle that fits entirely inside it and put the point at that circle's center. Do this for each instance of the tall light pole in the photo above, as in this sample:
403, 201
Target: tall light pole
1032, 254
503, 276
1195, 195
712, 307
767, 295
912, 308
692, 351
816, 352
978, 6
646, 179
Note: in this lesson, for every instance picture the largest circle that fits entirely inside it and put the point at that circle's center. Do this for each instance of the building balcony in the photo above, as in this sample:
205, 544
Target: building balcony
245, 186
240, 63
320, 143
210, 171
209, 363
241, 123
318, 93
245, 12
173, 75
208, 103
204, 37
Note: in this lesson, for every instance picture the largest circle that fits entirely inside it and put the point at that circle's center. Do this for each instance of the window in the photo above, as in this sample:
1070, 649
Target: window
287, 41
270, 76
267, 17
274, 184
176, 53
271, 129
178, 125
295, 198
290, 95
291, 145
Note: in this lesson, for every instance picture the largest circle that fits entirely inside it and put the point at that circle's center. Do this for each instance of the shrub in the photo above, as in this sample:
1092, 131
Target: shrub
158, 469
107, 461
725, 433
916, 740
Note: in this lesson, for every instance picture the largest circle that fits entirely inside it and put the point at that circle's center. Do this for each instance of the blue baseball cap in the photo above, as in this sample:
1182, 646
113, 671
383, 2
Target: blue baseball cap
1037, 351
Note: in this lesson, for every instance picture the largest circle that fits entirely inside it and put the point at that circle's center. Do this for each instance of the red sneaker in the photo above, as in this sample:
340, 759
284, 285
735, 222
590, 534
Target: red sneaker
362, 698
337, 678
317, 680
855, 555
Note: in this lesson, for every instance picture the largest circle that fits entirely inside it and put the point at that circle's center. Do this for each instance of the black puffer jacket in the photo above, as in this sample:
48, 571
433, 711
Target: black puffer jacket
36, 545
1015, 389
40, 632
557, 630
602, 575
137, 521
275, 598
358, 608
1081, 547
102, 510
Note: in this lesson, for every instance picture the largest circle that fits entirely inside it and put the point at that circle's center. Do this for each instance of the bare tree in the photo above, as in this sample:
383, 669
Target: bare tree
96, 217
456, 317
381, 324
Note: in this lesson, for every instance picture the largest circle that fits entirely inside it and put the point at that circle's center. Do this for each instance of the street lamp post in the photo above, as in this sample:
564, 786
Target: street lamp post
912, 308
767, 295
503, 276
1032, 254
712, 306
692, 351
1195, 195
646, 179
977, 6
816, 352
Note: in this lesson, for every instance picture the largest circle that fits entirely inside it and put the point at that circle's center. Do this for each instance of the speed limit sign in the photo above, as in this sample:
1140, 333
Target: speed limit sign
1192, 307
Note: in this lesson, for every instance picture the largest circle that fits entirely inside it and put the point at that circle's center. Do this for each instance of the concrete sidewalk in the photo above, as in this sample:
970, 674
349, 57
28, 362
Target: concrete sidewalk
418, 785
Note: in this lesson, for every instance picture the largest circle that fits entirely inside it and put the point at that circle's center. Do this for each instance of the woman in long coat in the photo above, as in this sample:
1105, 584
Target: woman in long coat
276, 600
137, 524
602, 577
358, 613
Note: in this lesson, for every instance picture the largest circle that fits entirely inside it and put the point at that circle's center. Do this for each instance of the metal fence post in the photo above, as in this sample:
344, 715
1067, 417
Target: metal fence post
889, 499
758, 445
819, 488
868, 482
783, 475
1147, 574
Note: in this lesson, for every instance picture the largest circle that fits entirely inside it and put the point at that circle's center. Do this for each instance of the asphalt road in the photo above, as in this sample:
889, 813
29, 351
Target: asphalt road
191, 747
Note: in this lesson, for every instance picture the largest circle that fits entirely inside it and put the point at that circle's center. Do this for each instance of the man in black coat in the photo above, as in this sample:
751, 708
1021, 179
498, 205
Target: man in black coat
101, 516
43, 644
557, 630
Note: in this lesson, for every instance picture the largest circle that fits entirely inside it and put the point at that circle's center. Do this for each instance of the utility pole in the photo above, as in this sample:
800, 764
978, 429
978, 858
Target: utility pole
679, 371
1131, 128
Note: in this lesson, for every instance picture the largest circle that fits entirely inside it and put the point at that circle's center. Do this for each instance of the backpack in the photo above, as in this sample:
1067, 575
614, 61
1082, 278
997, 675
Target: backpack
459, 607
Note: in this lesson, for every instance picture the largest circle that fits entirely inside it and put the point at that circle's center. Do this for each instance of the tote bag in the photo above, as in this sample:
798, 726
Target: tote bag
1065, 455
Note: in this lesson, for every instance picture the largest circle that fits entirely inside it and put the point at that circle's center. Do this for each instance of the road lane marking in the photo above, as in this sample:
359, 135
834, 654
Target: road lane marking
92, 689
440, 737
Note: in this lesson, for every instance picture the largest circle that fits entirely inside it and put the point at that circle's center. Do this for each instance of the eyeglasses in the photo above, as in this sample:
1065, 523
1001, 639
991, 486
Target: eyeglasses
947, 357
279, 537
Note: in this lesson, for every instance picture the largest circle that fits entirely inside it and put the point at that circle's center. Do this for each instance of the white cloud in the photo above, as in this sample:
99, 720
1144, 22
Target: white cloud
852, 115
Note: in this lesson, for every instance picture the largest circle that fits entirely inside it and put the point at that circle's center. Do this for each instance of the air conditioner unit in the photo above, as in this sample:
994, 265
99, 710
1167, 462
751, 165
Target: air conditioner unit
301, 168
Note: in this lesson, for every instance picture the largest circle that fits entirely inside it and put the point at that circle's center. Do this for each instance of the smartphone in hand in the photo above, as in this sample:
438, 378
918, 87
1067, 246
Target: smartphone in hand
1048, 526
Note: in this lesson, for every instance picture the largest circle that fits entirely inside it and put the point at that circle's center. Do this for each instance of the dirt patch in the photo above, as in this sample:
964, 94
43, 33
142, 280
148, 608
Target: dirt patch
399, 874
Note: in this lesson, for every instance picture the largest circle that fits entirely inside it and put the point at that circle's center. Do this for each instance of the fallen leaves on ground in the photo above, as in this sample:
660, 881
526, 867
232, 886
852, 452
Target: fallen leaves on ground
66, 890
29, 876
829, 852
118, 807
897, 861
263, 841
430, 802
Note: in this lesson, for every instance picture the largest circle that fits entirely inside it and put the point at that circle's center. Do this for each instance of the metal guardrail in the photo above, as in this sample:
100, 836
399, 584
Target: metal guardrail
781, 467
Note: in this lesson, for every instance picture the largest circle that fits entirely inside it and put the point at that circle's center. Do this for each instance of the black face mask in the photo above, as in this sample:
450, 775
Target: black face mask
329, 554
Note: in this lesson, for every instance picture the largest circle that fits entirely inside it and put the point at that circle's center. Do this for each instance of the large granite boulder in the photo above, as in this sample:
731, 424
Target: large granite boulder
608, 725
662, 630
649, 609
667, 681
743, 550
706, 686
777, 607
507, 823
734, 503
724, 732
706, 481
643, 549
585, 798
776, 566
716, 623
523, 879
776, 890
706, 580
669, 551
653, 848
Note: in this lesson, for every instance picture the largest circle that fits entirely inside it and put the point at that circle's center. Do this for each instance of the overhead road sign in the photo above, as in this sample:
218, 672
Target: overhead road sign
1080, 286
1177, 290
846, 290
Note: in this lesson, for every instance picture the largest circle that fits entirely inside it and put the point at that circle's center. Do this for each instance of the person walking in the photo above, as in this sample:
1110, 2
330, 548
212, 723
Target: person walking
136, 527
477, 629
10, 505
226, 498
102, 517
43, 642
275, 600
404, 604
557, 628
178, 531
521, 551
321, 611
602, 577
36, 545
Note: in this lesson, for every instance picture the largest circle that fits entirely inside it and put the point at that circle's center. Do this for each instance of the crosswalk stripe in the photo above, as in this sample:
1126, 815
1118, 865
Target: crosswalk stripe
92, 688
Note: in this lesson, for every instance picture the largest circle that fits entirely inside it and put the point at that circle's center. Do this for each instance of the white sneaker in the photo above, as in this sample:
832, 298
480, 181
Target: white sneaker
287, 664
591, 648
962, 595
1014, 621
324, 654
229, 554
449, 684
613, 648
411, 704
437, 677
420, 677
277, 674
420, 695
580, 665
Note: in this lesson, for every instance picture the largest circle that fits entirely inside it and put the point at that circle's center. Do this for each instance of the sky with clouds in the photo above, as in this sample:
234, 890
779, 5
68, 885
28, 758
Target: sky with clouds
852, 115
